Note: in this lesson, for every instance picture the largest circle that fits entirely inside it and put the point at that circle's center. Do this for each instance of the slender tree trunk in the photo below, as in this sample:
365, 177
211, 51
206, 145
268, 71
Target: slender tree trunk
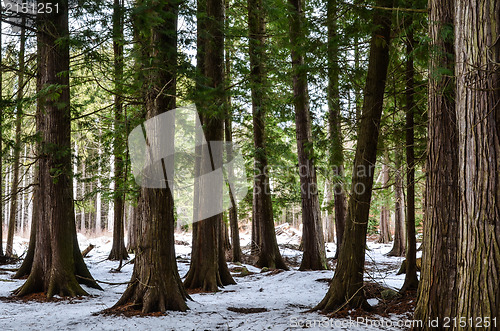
399, 245
385, 214
25, 268
17, 146
118, 250
438, 290
346, 287
330, 219
477, 47
156, 285
228, 134
98, 213
334, 117
23, 197
208, 269
133, 229
313, 243
268, 251
57, 264
411, 280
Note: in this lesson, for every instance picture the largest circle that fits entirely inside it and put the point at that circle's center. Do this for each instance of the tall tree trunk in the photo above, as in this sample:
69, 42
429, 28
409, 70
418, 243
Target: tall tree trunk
313, 243
477, 47
98, 203
334, 119
118, 250
156, 285
385, 214
411, 280
208, 269
437, 292
228, 134
268, 251
58, 264
399, 245
346, 287
83, 190
17, 146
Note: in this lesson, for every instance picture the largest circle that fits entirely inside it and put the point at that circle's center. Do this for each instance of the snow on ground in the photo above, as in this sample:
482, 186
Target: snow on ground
286, 295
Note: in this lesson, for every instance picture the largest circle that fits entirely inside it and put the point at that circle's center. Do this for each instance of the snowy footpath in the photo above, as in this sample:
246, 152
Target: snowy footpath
281, 297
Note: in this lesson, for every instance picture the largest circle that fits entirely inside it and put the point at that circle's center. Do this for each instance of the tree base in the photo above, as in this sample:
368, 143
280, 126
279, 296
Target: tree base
166, 294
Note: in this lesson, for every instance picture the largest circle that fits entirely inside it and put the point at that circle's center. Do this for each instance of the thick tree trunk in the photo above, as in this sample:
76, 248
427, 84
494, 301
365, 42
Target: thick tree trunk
477, 48
346, 287
437, 293
313, 242
156, 285
57, 264
399, 245
208, 269
385, 214
118, 250
411, 280
17, 146
334, 118
268, 251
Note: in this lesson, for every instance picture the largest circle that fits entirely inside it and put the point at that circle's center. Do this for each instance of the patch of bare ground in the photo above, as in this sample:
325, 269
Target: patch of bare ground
127, 311
42, 297
247, 310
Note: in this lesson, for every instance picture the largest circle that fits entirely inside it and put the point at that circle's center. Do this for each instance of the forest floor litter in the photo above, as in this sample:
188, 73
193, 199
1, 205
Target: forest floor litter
269, 300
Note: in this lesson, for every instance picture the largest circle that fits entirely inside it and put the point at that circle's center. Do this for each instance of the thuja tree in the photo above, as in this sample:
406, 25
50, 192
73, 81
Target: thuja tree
334, 123
346, 287
208, 269
155, 284
263, 221
477, 71
313, 244
118, 250
438, 286
58, 265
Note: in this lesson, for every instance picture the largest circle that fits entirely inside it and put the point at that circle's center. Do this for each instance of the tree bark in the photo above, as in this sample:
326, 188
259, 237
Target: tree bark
477, 70
58, 265
313, 243
437, 293
118, 250
155, 284
335, 130
208, 269
268, 252
346, 287
399, 245
411, 280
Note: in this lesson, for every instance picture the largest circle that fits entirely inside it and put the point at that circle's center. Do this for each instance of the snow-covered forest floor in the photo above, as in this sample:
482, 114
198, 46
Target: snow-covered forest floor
282, 297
